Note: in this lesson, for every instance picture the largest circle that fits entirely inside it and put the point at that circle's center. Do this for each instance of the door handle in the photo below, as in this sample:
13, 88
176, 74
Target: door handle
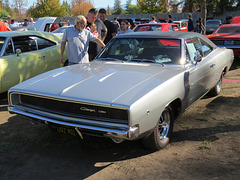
42, 57
212, 65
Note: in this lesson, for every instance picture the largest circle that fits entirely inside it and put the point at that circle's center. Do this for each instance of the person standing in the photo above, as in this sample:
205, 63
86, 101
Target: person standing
153, 20
111, 28
31, 22
190, 26
12, 24
25, 22
124, 27
98, 28
116, 23
170, 19
78, 39
3, 26
200, 26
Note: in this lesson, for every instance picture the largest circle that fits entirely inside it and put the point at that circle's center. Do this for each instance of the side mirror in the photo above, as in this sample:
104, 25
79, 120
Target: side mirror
18, 52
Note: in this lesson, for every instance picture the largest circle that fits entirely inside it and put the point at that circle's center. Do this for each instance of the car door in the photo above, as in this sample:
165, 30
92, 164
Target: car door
18, 68
51, 51
200, 73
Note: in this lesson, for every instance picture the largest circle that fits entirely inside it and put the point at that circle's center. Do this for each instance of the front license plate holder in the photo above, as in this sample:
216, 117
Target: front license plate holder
228, 42
66, 130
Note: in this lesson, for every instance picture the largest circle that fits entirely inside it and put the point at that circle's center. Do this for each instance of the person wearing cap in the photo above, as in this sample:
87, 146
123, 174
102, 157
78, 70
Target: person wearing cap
25, 22
98, 28
78, 38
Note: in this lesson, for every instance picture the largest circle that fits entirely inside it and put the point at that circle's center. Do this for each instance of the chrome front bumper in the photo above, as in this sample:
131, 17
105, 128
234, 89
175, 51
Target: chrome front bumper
112, 131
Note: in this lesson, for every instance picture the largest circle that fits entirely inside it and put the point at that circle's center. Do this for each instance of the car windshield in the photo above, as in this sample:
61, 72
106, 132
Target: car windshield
212, 23
2, 40
146, 50
229, 29
148, 28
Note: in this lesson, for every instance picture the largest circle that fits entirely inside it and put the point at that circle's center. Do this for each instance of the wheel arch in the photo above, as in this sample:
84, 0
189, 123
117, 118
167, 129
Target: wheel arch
176, 107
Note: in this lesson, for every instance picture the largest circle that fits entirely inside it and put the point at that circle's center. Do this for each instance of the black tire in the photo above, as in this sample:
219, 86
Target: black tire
216, 90
160, 137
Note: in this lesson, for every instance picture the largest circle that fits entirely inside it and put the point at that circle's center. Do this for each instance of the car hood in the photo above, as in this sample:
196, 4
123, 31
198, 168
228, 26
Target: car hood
223, 36
100, 82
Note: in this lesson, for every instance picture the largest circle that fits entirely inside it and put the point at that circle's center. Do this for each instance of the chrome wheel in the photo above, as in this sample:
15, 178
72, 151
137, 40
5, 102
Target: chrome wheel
164, 126
161, 134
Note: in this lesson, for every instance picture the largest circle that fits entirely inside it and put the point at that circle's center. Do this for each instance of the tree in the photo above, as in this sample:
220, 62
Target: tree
19, 5
48, 8
109, 11
117, 7
81, 7
129, 3
132, 9
67, 8
151, 6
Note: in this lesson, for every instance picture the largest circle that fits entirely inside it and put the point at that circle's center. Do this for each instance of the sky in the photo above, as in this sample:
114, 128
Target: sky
97, 3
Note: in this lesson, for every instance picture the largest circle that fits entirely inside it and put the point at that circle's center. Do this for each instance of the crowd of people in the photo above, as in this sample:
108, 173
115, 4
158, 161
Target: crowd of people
88, 35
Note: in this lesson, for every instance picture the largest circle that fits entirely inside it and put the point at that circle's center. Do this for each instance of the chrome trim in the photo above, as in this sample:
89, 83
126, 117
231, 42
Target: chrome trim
128, 133
101, 104
4, 45
229, 47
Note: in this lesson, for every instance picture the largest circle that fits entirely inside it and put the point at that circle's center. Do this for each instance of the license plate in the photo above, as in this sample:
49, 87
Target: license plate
66, 130
228, 42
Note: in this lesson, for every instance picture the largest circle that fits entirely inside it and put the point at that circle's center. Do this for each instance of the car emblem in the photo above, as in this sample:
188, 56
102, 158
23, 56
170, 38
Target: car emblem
87, 109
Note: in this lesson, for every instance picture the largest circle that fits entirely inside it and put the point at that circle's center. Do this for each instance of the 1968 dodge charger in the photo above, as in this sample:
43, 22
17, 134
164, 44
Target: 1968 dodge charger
135, 88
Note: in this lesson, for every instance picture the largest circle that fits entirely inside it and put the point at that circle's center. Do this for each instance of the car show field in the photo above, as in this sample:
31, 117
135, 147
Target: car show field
205, 145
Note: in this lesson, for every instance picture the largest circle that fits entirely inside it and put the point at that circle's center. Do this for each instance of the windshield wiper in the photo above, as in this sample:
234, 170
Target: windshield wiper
143, 60
146, 60
110, 59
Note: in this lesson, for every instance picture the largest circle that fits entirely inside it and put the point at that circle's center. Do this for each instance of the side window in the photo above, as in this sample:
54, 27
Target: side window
25, 43
206, 48
44, 43
9, 48
194, 48
170, 28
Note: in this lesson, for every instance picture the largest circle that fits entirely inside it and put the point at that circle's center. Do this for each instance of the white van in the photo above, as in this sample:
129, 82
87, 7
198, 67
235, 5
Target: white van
44, 23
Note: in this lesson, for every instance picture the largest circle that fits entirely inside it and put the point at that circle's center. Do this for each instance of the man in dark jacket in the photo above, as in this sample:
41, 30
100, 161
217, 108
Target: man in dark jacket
190, 26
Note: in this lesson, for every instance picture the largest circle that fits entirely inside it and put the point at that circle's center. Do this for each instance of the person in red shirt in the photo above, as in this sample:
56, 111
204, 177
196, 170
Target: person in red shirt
4, 27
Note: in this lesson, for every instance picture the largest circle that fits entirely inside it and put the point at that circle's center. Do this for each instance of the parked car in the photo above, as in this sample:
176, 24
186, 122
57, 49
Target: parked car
236, 20
23, 28
227, 36
59, 32
24, 54
212, 25
157, 27
134, 89
182, 25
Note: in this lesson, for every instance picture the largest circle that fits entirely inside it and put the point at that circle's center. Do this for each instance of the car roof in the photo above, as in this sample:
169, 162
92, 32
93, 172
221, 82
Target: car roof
166, 34
25, 33
227, 25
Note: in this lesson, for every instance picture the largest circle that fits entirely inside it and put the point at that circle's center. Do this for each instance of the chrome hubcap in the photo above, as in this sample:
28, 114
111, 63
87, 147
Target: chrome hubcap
164, 126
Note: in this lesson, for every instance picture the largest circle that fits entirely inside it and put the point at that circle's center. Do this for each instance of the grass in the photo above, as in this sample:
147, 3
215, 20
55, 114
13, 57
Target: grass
185, 126
205, 145
5, 146
202, 118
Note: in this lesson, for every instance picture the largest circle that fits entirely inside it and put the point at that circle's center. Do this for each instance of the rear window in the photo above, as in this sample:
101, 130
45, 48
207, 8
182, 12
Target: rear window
148, 28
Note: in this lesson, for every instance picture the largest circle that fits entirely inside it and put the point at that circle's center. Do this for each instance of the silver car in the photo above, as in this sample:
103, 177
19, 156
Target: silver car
135, 88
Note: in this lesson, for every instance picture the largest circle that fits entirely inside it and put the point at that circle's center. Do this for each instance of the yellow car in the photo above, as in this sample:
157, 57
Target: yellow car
27, 54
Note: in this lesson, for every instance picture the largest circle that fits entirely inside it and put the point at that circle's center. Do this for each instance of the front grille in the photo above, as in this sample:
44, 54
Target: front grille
75, 110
